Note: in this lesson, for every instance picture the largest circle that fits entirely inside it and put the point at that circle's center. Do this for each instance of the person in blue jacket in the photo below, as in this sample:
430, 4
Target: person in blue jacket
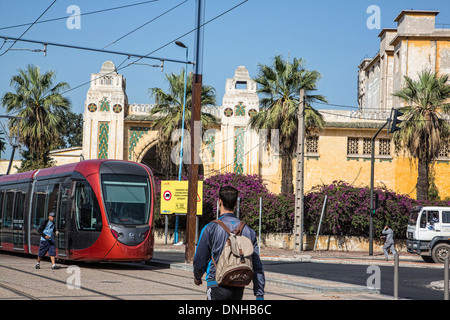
47, 244
211, 243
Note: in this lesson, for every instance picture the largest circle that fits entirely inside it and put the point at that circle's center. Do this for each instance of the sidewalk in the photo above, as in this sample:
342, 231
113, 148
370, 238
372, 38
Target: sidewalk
312, 285
322, 256
345, 257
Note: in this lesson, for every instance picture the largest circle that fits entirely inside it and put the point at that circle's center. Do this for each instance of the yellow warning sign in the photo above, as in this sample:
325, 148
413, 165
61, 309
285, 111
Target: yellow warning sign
174, 197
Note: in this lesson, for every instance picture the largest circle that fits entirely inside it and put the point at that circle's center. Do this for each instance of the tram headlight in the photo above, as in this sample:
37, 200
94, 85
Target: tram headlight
143, 235
116, 234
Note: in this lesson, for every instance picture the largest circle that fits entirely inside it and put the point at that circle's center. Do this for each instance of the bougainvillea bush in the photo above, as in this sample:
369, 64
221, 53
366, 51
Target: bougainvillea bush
346, 211
277, 210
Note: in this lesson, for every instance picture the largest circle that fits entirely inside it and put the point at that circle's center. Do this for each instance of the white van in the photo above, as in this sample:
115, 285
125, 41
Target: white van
428, 233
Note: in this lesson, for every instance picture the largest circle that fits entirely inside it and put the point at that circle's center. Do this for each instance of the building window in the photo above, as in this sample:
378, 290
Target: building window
312, 144
367, 146
443, 152
106, 80
352, 146
241, 85
385, 147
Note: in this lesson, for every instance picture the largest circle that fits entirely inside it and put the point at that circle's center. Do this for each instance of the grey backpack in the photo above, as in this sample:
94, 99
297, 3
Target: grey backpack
235, 267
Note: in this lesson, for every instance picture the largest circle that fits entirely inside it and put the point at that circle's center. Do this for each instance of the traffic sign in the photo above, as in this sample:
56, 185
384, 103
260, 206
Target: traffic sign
174, 197
167, 195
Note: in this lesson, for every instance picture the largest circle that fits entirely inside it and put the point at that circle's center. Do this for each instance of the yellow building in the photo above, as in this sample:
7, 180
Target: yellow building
115, 129
344, 147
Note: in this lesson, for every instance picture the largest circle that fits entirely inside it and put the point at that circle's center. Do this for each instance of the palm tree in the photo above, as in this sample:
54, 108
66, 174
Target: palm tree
37, 103
423, 130
279, 85
169, 109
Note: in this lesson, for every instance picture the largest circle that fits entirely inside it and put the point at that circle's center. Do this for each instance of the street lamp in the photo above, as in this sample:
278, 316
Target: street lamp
182, 45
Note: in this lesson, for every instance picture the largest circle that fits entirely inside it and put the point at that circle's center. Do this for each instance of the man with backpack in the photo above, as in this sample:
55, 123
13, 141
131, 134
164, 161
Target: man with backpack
228, 251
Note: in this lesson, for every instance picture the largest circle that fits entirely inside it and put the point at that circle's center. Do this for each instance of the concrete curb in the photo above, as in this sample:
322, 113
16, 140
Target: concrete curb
293, 283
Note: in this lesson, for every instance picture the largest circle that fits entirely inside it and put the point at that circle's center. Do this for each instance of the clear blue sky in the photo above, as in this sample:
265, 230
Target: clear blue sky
331, 36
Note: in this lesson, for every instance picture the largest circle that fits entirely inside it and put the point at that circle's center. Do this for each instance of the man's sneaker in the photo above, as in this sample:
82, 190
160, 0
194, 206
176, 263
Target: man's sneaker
38, 266
55, 266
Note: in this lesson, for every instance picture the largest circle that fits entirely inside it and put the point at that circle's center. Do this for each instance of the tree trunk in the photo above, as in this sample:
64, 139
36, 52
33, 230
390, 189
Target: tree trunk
422, 180
287, 187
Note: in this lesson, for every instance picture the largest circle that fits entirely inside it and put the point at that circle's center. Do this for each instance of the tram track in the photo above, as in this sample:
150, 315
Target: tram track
50, 279
18, 292
173, 284
201, 290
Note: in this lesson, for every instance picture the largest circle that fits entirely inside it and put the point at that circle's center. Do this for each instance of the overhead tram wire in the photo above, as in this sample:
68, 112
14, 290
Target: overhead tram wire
35, 21
79, 15
161, 47
185, 34
148, 22
139, 57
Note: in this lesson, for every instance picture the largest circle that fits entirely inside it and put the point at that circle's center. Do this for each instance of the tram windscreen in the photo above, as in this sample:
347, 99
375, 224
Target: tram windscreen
127, 198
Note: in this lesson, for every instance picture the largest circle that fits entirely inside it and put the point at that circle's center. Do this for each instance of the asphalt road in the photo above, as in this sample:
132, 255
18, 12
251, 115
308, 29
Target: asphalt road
413, 282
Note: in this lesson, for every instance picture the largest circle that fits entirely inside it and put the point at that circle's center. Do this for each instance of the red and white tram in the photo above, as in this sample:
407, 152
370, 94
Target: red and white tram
104, 210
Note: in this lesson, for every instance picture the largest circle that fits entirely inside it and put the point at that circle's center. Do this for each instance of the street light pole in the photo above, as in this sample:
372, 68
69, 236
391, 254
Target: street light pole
182, 45
177, 218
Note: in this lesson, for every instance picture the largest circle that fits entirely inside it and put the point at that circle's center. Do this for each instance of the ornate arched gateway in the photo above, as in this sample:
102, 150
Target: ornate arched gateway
114, 129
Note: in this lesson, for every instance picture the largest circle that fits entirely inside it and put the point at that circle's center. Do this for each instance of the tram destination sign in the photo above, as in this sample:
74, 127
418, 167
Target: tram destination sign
174, 197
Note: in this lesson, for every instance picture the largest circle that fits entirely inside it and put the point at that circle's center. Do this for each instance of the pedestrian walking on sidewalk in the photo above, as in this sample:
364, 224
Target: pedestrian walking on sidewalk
47, 244
388, 234
211, 244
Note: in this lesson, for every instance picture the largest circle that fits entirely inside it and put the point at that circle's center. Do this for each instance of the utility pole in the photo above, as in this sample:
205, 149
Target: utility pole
372, 177
196, 130
299, 203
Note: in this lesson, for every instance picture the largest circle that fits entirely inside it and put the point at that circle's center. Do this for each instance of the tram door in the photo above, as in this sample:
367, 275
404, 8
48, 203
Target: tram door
7, 225
61, 218
18, 220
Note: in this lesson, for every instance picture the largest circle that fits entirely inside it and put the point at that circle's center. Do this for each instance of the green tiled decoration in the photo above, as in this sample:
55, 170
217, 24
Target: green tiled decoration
210, 145
239, 133
135, 134
104, 105
103, 136
240, 110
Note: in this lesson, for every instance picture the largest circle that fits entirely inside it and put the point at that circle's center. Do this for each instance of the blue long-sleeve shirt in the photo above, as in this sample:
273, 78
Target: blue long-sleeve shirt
211, 243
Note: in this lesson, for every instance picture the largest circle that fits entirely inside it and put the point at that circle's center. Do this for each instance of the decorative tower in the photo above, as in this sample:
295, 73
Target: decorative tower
104, 113
240, 144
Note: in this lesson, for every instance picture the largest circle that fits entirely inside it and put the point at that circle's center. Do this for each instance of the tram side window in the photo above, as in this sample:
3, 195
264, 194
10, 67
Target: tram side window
53, 197
87, 208
63, 205
1, 211
39, 209
9, 202
19, 208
